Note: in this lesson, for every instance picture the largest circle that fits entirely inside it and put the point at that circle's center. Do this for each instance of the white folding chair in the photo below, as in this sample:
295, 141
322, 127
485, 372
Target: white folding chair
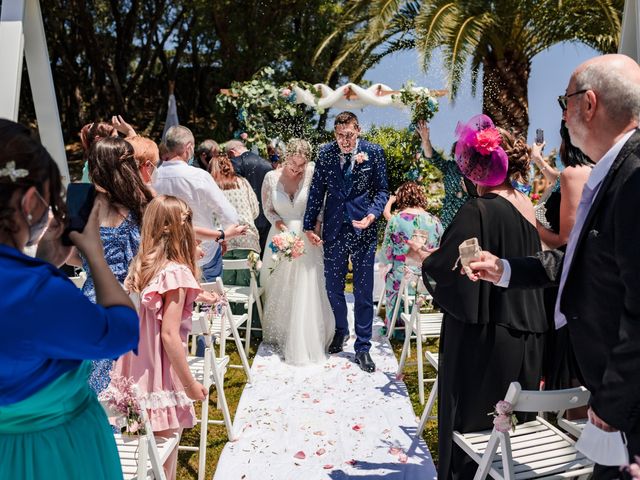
536, 448
247, 296
419, 326
142, 456
208, 370
432, 358
408, 280
572, 427
225, 326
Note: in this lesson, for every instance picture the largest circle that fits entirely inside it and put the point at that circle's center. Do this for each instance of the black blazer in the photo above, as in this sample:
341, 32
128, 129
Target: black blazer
254, 168
601, 297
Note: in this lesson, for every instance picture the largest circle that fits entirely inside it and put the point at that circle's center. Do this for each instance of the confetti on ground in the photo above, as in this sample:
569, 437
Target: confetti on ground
357, 425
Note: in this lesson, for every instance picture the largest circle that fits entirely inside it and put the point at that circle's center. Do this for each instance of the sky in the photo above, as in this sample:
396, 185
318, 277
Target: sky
550, 72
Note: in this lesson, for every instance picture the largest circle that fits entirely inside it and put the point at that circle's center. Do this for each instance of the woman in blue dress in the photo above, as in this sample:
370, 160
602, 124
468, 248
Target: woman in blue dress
51, 424
116, 177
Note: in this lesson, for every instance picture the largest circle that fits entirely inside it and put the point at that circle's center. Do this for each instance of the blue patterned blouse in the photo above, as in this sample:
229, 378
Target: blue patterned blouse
120, 246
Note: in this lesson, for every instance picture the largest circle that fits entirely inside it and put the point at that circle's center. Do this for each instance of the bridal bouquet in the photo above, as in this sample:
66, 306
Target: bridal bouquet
121, 400
287, 245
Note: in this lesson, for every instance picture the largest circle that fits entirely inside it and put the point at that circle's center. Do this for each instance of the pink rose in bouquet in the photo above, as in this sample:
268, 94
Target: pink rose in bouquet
504, 408
287, 245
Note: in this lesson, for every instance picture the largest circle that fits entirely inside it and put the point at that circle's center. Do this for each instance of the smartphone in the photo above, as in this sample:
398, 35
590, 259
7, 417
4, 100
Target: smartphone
539, 136
80, 198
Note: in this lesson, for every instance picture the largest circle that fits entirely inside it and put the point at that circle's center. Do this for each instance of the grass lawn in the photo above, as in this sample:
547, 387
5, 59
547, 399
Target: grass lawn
233, 385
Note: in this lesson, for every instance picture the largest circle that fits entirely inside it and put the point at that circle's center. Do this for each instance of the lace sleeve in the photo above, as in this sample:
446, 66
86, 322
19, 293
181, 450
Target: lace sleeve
269, 182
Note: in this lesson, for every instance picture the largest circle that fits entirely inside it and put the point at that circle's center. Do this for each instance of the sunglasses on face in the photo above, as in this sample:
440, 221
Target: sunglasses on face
563, 100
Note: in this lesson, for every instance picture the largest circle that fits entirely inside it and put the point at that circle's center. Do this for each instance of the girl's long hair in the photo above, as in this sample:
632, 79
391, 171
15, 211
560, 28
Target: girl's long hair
113, 167
166, 236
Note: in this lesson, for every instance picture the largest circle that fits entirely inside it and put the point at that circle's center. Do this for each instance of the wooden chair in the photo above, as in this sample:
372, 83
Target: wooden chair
208, 370
224, 326
142, 456
247, 296
536, 449
432, 358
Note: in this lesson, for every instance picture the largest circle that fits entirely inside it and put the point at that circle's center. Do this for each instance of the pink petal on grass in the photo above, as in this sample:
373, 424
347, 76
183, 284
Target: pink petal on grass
402, 458
357, 427
319, 432
305, 395
351, 462
315, 400
321, 451
328, 467
331, 411
300, 455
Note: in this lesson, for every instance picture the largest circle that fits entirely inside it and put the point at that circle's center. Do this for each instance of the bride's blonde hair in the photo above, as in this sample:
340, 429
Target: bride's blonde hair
167, 236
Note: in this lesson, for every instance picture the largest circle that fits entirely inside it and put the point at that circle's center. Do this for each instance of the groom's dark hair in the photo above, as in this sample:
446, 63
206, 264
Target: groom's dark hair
345, 118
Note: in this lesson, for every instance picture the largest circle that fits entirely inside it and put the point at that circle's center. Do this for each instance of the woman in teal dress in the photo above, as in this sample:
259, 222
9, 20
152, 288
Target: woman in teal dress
456, 190
51, 423
411, 204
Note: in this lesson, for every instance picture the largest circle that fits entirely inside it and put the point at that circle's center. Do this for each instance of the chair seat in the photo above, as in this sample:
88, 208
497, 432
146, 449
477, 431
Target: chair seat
430, 323
538, 448
238, 294
196, 365
128, 450
573, 427
238, 321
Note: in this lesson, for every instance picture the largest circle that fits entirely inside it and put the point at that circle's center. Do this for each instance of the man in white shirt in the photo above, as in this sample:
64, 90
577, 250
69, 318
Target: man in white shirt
198, 189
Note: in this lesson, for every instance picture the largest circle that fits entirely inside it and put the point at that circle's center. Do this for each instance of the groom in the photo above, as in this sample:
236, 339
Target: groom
352, 173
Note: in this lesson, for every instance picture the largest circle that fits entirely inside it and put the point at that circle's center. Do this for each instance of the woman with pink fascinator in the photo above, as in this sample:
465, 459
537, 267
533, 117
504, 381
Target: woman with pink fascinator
490, 336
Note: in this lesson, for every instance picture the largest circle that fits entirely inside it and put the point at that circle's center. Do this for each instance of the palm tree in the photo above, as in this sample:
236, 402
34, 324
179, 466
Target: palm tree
497, 38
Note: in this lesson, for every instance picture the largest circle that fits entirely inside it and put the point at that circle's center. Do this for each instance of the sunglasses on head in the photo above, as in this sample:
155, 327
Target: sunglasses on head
564, 99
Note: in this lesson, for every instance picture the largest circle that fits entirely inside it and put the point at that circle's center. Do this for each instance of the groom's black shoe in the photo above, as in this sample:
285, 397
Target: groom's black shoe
337, 343
364, 360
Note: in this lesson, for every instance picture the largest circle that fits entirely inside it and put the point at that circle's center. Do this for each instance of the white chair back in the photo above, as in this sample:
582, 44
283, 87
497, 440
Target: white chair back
546, 400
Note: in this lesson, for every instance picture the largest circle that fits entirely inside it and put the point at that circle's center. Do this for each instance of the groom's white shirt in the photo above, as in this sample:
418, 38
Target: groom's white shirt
352, 152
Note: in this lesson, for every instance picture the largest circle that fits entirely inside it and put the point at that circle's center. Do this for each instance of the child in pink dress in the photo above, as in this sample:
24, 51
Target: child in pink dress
163, 273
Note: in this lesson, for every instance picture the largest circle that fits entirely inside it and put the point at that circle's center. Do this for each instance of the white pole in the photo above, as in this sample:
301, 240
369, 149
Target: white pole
629, 39
11, 55
42, 88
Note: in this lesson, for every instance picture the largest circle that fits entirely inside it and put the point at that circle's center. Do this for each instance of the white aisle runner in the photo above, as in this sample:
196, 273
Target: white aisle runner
330, 421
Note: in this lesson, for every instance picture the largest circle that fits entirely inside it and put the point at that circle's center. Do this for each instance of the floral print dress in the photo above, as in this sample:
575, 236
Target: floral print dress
400, 228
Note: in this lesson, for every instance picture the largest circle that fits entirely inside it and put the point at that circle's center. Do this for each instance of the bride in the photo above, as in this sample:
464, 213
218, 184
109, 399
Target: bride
297, 316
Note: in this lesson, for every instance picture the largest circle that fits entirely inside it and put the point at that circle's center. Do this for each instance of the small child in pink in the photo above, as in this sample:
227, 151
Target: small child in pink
164, 275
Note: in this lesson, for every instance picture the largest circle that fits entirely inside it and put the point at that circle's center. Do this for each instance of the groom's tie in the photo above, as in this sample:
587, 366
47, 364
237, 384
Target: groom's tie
346, 170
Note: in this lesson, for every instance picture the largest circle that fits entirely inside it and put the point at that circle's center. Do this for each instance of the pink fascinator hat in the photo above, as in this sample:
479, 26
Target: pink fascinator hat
478, 153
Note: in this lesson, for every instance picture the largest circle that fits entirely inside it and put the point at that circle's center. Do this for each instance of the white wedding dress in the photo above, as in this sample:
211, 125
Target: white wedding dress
297, 319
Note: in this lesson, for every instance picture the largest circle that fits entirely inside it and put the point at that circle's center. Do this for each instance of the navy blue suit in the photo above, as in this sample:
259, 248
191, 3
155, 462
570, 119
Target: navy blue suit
364, 192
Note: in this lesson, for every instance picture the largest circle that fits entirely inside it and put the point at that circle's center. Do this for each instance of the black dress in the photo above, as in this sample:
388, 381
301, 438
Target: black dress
559, 369
490, 336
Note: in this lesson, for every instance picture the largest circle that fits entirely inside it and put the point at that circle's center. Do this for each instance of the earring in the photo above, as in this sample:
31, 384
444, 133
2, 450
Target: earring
29, 218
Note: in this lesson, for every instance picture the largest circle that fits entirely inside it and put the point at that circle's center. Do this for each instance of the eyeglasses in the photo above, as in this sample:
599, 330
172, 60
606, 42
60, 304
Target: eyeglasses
564, 99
